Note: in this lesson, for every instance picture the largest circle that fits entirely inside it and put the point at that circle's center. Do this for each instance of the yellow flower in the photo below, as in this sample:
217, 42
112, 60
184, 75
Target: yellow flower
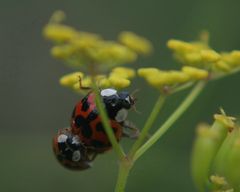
62, 51
112, 53
123, 72
118, 82
147, 72
195, 73
135, 42
59, 32
158, 78
180, 46
210, 56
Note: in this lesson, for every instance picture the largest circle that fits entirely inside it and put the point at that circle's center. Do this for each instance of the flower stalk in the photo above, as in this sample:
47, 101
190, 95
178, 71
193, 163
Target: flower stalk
171, 120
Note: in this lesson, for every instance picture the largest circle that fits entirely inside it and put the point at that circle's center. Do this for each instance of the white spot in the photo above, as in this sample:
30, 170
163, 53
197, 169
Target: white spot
128, 99
76, 156
62, 138
108, 92
121, 115
75, 140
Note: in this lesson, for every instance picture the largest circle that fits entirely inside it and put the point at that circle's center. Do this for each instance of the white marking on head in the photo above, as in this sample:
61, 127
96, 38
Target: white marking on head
128, 99
76, 156
121, 115
62, 138
108, 92
75, 140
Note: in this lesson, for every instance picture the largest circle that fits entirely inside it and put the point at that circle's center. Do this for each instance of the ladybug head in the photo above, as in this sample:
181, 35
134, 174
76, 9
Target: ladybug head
117, 100
126, 100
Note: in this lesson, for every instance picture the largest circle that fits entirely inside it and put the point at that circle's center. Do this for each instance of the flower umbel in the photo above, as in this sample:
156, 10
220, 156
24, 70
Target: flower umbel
98, 64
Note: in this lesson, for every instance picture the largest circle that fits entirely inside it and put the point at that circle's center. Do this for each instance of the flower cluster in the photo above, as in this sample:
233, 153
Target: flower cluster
200, 55
216, 155
118, 78
94, 55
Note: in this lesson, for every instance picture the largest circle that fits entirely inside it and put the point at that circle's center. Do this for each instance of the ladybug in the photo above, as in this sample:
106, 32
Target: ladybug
71, 152
86, 121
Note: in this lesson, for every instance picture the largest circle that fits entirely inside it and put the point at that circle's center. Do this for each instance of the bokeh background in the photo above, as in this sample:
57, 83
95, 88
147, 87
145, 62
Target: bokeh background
33, 105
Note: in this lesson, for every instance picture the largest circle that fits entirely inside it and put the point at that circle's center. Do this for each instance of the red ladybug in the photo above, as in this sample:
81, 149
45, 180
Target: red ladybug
86, 121
71, 152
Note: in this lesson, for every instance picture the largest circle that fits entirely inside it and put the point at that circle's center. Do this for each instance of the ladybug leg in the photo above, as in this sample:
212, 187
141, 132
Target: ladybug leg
89, 153
81, 85
93, 156
134, 131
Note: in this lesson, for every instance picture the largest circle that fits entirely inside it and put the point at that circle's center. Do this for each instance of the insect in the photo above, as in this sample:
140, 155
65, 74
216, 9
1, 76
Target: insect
86, 121
71, 152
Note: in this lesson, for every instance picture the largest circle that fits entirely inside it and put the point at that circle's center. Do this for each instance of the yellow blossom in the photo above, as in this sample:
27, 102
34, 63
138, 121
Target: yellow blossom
195, 73
59, 32
124, 72
147, 72
62, 51
118, 82
112, 53
180, 46
210, 56
159, 78
135, 42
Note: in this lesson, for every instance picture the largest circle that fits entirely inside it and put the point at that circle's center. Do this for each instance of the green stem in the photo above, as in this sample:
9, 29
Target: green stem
116, 146
156, 109
124, 169
171, 120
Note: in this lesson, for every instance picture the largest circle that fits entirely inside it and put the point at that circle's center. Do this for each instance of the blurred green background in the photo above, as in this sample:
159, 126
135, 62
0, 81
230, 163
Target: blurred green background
34, 106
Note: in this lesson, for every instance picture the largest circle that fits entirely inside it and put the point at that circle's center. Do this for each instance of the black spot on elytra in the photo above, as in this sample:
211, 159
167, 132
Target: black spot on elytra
100, 128
92, 116
98, 144
85, 104
80, 121
87, 131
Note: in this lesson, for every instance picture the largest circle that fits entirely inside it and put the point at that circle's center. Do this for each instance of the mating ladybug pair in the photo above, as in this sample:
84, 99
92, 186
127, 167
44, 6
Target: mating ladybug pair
76, 147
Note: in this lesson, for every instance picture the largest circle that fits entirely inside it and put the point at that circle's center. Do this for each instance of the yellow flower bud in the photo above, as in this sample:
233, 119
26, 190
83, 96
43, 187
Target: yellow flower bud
195, 73
112, 53
118, 82
62, 51
145, 72
135, 42
58, 32
210, 56
180, 46
192, 58
222, 66
175, 77
104, 83
71, 79
124, 72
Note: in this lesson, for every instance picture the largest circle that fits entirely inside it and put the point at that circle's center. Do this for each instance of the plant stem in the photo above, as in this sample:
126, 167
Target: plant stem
116, 146
180, 110
156, 109
124, 169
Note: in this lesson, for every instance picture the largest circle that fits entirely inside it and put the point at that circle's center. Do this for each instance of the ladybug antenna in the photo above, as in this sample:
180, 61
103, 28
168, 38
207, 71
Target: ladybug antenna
81, 85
